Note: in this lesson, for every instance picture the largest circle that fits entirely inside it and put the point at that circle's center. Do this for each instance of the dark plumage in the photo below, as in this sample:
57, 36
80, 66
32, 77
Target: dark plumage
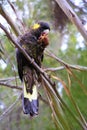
34, 43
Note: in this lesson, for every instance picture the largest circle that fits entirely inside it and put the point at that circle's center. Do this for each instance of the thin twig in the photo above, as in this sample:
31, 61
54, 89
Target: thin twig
10, 86
8, 110
54, 69
8, 79
42, 99
15, 11
77, 67
4, 13
73, 17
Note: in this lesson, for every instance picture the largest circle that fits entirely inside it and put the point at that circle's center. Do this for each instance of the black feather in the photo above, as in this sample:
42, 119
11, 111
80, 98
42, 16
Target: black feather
26, 70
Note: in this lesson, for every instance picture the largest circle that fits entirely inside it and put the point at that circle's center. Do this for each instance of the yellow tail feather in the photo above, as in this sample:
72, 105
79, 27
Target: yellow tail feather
30, 96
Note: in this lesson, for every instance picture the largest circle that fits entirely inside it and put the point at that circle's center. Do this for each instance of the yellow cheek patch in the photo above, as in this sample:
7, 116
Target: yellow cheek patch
36, 26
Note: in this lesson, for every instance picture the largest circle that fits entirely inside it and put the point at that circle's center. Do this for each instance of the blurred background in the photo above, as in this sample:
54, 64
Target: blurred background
65, 42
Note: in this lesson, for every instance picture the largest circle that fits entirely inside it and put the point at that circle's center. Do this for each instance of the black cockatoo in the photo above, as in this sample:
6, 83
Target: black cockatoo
34, 42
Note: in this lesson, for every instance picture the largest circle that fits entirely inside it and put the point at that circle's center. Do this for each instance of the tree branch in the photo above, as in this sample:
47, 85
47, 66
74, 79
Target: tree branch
10, 86
54, 69
20, 88
8, 110
8, 79
4, 13
22, 27
77, 67
73, 17
42, 99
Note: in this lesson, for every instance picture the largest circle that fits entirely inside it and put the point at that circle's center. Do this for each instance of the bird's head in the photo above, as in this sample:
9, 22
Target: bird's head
41, 30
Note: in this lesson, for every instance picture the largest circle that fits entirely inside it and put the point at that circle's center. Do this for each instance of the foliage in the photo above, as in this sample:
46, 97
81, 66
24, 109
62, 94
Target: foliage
68, 111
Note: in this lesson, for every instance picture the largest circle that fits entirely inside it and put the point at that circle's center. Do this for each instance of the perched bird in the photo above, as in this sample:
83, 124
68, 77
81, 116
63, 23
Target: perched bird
34, 42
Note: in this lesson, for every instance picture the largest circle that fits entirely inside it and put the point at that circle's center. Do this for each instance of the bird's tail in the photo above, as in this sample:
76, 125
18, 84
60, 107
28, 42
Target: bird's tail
30, 96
